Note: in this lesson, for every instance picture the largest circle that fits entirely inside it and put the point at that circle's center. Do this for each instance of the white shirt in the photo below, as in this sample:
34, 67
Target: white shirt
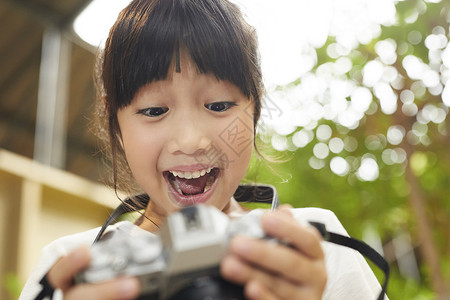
349, 275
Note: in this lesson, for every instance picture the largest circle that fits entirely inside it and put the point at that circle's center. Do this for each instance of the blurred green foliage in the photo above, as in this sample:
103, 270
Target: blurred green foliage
385, 204
13, 285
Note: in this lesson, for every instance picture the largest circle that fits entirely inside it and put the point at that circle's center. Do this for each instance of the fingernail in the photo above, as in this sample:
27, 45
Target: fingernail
286, 211
271, 221
128, 287
233, 267
253, 290
79, 255
241, 245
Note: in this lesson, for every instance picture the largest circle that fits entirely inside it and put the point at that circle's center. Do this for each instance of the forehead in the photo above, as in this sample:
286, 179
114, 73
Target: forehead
184, 67
185, 77
182, 63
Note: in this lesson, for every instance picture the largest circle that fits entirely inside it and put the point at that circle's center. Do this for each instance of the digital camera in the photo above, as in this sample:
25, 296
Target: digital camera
182, 262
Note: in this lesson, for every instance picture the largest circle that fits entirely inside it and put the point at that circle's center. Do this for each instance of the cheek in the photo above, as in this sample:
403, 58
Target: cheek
236, 140
141, 150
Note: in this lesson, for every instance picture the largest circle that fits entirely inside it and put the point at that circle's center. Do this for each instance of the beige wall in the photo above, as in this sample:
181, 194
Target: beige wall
39, 204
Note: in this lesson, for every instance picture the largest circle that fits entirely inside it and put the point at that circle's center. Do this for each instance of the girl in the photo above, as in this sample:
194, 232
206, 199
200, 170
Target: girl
180, 79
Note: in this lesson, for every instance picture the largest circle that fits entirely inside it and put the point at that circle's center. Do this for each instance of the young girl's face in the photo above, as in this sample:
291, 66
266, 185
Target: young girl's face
188, 139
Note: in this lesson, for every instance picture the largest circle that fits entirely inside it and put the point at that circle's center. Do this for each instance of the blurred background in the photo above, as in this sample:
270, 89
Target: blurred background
356, 107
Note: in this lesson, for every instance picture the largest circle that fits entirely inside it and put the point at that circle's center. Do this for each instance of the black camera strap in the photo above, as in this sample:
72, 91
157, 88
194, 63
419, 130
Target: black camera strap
359, 246
47, 290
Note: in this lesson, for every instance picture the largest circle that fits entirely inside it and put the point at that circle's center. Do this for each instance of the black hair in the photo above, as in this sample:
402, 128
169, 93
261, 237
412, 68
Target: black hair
149, 34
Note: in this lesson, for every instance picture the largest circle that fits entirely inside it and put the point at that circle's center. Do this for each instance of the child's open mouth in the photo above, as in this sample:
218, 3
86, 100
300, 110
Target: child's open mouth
192, 187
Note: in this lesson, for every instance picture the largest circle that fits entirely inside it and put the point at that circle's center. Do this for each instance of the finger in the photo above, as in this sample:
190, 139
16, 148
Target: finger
263, 285
120, 288
305, 239
278, 259
256, 282
62, 273
285, 208
256, 290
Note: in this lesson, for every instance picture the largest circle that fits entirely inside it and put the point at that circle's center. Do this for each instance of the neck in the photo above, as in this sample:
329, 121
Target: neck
233, 208
152, 219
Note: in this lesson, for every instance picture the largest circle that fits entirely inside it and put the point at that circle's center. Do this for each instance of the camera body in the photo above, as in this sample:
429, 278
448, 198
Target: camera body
187, 252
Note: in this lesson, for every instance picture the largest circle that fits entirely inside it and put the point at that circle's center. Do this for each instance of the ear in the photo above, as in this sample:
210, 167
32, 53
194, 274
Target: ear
119, 138
105, 102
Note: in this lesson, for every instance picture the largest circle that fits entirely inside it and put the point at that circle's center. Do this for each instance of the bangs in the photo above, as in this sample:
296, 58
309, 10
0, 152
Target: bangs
149, 35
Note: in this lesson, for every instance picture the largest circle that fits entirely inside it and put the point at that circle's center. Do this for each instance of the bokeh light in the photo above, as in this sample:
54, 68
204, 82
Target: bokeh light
339, 166
368, 170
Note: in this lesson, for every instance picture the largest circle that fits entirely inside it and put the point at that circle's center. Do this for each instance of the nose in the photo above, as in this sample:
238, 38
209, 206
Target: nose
188, 137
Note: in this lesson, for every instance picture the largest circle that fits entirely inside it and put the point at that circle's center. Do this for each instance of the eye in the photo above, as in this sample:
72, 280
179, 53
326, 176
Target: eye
220, 106
153, 112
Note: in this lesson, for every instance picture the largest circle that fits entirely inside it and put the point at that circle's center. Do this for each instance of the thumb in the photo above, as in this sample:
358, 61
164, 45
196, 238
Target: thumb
61, 275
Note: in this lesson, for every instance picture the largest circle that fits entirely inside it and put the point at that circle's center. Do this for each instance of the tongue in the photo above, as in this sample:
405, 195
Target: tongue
192, 186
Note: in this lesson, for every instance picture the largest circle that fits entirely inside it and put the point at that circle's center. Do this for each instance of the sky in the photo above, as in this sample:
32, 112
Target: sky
288, 30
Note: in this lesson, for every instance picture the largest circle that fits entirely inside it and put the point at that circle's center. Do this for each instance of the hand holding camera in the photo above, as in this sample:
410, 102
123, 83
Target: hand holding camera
274, 270
182, 262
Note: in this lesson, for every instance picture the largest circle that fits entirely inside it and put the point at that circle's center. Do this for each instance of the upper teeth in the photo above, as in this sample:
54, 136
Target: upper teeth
191, 175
